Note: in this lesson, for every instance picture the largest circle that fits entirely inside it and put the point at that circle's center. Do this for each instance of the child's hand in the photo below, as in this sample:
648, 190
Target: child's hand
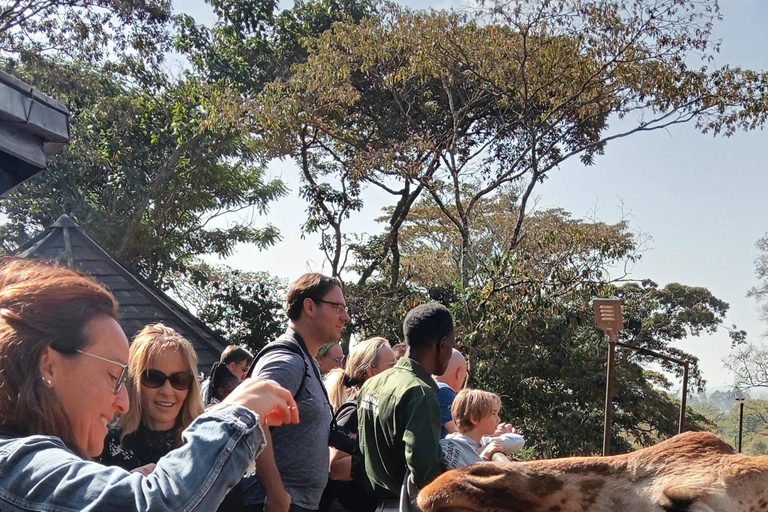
495, 446
504, 428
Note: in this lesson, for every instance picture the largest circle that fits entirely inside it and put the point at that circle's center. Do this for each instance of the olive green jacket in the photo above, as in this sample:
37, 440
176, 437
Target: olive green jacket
399, 425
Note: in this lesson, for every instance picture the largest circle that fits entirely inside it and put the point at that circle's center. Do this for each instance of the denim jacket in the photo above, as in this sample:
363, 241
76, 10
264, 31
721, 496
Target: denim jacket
39, 473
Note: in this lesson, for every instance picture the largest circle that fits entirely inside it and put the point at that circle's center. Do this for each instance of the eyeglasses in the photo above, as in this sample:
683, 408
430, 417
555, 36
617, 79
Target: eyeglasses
338, 307
338, 360
156, 379
123, 373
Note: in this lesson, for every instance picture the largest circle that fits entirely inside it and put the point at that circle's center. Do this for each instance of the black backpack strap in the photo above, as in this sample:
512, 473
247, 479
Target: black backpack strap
286, 344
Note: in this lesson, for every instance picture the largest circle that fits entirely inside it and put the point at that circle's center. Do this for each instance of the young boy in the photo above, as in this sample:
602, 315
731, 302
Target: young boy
476, 415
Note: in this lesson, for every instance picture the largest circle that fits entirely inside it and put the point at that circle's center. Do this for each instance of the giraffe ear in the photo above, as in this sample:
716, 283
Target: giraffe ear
683, 498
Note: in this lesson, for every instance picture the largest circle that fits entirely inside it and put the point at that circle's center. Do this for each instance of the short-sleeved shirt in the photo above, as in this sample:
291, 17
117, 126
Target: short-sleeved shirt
445, 397
399, 424
301, 450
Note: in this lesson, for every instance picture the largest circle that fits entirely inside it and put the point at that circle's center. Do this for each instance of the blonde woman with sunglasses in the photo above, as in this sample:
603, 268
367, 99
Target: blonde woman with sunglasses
63, 360
165, 399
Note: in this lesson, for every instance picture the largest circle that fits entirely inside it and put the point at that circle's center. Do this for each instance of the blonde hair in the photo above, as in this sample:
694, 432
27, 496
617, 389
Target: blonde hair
472, 405
152, 341
344, 384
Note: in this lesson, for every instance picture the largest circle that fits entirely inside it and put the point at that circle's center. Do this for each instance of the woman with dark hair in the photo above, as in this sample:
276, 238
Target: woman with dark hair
223, 382
63, 364
164, 395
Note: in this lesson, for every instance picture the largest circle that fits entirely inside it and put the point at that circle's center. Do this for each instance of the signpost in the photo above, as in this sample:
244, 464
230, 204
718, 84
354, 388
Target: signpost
740, 398
609, 320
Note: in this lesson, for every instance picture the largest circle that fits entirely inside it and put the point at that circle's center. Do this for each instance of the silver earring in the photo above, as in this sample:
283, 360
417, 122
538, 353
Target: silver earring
47, 382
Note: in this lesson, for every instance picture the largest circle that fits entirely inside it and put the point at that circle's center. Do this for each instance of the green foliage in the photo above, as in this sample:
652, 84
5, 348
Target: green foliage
150, 168
434, 102
527, 327
244, 307
250, 44
726, 423
85, 29
550, 367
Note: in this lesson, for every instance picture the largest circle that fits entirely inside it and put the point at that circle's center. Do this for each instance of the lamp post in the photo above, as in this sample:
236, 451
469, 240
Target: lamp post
610, 320
739, 396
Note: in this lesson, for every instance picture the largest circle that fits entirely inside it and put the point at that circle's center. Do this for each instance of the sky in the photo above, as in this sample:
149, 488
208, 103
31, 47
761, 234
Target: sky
701, 199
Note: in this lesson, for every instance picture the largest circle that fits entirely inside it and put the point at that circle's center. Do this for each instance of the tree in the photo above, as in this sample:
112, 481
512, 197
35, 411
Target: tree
434, 101
749, 364
244, 307
152, 165
85, 29
250, 45
760, 292
527, 326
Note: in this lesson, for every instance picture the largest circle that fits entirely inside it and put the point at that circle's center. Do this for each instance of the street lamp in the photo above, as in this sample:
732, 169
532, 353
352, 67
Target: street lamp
610, 320
739, 396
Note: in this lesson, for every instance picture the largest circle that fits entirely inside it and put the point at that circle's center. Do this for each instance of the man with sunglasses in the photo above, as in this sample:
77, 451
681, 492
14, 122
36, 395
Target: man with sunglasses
292, 471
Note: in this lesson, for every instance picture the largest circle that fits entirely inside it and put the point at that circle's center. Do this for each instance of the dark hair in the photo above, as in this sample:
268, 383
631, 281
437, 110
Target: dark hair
427, 324
309, 286
235, 354
42, 305
220, 376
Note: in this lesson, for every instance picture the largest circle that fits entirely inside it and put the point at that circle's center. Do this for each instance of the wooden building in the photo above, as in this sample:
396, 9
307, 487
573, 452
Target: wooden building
140, 302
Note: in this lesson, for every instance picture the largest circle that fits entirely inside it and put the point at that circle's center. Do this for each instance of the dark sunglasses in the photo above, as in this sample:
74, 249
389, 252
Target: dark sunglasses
156, 379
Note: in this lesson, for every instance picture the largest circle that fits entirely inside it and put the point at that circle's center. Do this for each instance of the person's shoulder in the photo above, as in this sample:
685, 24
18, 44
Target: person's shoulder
445, 392
281, 354
20, 446
443, 388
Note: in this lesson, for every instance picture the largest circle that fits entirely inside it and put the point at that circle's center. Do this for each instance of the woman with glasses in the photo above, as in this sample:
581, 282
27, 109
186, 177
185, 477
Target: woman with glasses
330, 357
164, 395
63, 361
366, 359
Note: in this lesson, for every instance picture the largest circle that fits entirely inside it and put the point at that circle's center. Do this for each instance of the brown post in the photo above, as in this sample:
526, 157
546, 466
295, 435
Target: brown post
684, 402
741, 421
609, 396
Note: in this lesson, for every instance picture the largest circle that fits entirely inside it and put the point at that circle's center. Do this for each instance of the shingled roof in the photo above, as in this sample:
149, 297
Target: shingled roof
140, 302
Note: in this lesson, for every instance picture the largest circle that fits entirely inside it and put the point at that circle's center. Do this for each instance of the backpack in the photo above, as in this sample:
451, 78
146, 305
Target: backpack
288, 344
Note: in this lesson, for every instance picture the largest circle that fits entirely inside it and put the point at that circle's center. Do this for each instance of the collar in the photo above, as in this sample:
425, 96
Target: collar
411, 365
296, 336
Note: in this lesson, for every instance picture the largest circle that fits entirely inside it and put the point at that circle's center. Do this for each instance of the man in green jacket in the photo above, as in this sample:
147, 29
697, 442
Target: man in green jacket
399, 417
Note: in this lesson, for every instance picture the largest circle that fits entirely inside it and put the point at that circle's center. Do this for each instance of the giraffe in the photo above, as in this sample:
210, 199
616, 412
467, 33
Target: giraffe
691, 472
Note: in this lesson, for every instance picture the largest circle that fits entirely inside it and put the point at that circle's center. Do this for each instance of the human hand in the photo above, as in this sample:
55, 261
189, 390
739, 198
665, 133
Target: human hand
280, 502
504, 428
273, 403
144, 470
495, 446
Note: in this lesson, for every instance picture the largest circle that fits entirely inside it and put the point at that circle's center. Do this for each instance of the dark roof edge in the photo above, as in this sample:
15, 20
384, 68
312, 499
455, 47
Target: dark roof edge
31, 92
128, 274
65, 222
